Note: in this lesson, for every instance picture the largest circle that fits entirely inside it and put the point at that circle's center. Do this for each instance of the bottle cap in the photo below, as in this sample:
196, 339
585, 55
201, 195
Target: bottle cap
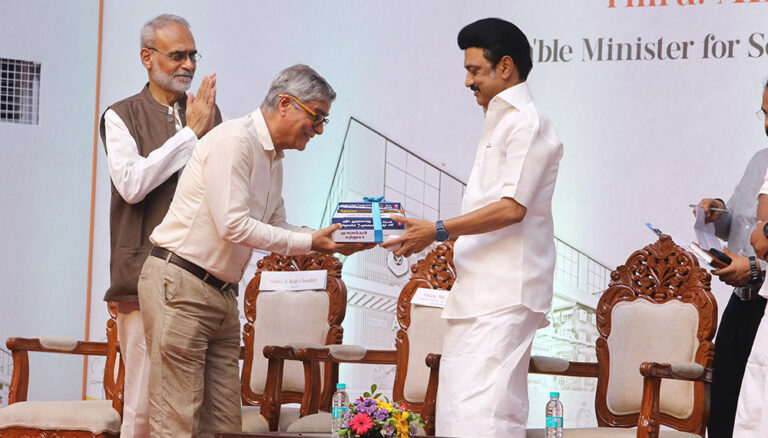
341, 386
554, 394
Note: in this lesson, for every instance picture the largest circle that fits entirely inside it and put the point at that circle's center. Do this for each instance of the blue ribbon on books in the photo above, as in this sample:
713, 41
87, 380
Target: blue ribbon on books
376, 214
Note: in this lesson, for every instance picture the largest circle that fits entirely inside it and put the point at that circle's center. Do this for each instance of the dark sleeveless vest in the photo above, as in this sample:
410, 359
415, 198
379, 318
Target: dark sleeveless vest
130, 225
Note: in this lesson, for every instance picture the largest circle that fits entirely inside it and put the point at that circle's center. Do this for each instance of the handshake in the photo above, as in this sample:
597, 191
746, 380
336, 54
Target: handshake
357, 226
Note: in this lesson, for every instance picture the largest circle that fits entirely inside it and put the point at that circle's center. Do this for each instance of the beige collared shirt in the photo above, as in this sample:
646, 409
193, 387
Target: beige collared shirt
517, 157
228, 201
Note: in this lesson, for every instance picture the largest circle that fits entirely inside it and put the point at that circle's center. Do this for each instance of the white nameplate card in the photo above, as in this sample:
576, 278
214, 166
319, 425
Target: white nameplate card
430, 297
293, 280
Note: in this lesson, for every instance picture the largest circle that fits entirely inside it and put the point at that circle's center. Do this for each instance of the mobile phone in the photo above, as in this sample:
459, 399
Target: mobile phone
720, 255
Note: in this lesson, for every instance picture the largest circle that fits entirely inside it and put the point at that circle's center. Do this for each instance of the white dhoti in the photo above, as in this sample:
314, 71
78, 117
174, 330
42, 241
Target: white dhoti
752, 412
130, 334
483, 387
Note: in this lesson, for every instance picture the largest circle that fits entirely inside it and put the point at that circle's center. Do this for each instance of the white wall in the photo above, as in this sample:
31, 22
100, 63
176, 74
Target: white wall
45, 175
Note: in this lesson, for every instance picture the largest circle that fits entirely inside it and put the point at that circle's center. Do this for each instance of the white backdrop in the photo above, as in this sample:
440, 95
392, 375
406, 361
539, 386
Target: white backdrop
643, 138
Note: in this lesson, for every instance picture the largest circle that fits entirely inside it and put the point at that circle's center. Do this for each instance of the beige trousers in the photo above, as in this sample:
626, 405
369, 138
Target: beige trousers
193, 336
483, 390
130, 334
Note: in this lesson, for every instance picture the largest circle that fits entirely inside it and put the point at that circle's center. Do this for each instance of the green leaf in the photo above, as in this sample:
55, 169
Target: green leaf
367, 394
377, 395
373, 388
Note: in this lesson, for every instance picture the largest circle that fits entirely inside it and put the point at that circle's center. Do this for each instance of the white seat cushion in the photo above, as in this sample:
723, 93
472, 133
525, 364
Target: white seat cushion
253, 421
640, 332
95, 416
425, 335
307, 322
607, 432
319, 423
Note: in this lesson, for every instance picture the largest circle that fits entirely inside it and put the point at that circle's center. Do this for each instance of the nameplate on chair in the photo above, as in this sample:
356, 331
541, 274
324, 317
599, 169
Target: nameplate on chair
293, 280
430, 297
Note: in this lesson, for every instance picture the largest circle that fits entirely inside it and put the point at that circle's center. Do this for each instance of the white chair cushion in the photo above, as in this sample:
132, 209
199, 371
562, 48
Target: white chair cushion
282, 318
642, 331
95, 416
319, 423
425, 335
347, 352
253, 421
550, 364
607, 432
60, 343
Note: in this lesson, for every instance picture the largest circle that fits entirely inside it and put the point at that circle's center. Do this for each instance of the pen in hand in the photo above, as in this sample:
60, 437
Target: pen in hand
719, 210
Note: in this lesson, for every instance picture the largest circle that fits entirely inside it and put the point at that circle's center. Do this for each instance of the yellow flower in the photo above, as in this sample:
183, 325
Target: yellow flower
384, 405
401, 427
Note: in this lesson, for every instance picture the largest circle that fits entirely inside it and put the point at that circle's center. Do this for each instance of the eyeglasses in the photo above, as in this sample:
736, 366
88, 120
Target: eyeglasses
317, 119
761, 115
181, 56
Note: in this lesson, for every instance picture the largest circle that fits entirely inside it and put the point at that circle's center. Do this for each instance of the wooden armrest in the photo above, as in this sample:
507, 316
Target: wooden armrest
433, 360
648, 423
382, 357
430, 398
677, 370
334, 354
560, 367
20, 348
89, 348
279, 352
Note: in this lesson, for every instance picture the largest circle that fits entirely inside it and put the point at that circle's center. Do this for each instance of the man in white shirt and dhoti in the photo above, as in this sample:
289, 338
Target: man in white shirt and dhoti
504, 252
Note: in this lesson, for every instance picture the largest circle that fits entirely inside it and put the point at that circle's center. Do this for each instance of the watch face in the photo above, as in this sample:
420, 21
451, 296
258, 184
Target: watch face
765, 229
441, 235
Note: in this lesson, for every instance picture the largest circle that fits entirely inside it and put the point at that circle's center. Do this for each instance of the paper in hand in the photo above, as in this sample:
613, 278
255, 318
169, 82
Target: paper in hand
705, 232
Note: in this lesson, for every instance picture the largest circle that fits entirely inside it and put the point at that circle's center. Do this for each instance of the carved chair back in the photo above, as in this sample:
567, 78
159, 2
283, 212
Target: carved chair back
421, 328
658, 307
291, 317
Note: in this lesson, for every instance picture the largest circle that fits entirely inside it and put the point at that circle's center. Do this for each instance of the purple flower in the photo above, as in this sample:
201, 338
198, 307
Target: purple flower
388, 429
381, 414
367, 406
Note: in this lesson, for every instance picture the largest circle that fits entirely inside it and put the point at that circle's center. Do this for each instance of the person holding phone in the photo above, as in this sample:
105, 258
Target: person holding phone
742, 315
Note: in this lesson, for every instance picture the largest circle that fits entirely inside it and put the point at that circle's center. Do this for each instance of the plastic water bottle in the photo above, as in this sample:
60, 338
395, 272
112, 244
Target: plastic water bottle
554, 425
339, 405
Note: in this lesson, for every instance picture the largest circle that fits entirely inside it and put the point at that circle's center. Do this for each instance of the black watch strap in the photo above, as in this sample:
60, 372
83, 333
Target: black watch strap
441, 234
755, 276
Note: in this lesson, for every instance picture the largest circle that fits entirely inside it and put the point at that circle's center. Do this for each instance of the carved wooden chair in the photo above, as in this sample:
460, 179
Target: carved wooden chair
420, 333
277, 323
81, 418
656, 321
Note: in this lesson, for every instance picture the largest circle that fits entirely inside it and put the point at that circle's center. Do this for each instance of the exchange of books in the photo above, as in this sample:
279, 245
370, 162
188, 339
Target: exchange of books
193, 195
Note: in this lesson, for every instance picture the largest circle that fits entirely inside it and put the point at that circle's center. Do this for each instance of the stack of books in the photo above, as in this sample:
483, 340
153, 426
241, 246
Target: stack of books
357, 222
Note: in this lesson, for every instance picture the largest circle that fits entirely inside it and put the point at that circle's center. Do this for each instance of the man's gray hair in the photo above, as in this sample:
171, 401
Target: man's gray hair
301, 82
149, 30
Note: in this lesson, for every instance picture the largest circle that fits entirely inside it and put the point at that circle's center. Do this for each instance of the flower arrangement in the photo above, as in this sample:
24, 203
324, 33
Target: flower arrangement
372, 416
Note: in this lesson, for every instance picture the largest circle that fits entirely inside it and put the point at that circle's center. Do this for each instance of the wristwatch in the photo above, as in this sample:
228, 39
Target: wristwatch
441, 234
765, 229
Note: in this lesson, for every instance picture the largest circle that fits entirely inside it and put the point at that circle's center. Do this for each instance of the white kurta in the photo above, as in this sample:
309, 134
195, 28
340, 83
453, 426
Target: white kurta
752, 412
504, 278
